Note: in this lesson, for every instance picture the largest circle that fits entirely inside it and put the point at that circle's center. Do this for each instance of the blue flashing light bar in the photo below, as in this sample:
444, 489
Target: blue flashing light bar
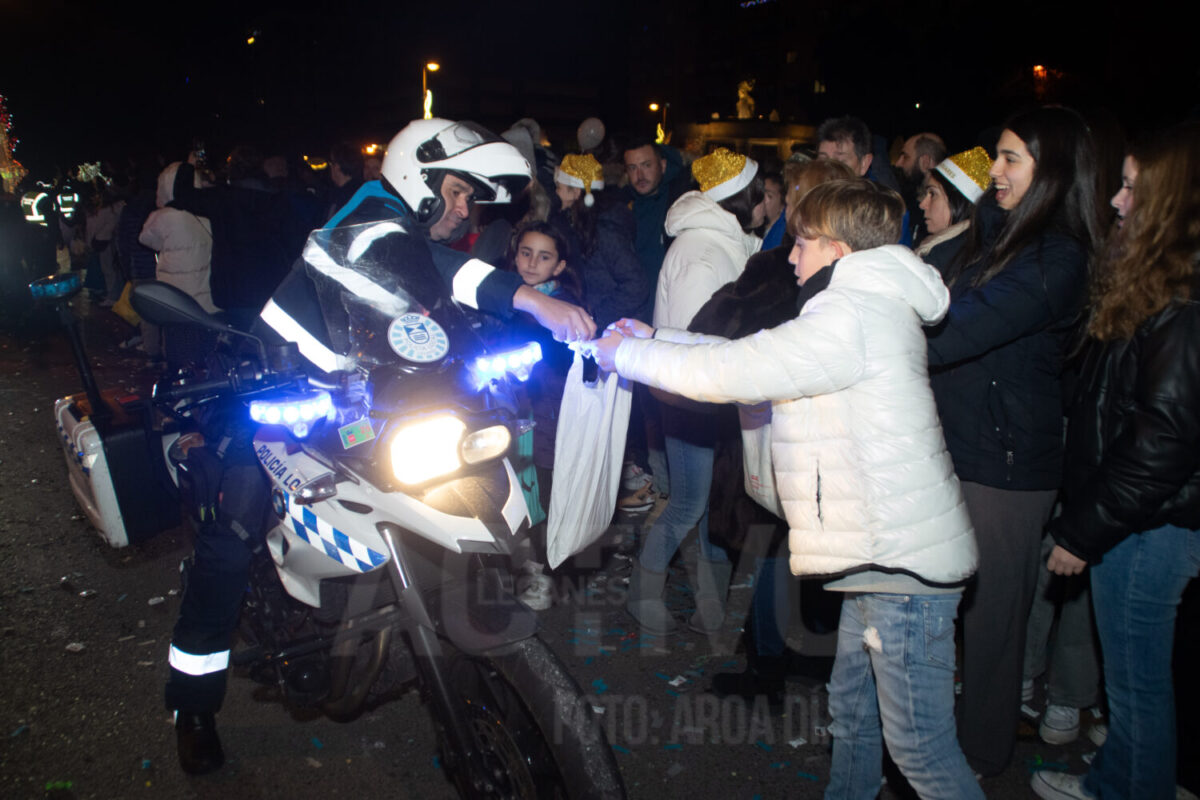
519, 362
297, 413
54, 287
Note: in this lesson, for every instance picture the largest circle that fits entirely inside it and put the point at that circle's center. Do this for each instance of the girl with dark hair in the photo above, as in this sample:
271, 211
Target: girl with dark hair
712, 242
599, 231
949, 193
1017, 277
1131, 503
540, 255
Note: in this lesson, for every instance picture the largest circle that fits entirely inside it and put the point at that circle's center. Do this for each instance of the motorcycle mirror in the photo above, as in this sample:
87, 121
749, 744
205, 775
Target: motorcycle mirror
164, 304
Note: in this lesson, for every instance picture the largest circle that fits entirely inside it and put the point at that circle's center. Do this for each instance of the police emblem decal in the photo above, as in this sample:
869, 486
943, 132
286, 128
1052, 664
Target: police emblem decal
279, 502
416, 337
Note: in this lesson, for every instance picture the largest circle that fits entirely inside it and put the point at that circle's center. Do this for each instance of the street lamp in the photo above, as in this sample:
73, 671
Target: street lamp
426, 95
661, 136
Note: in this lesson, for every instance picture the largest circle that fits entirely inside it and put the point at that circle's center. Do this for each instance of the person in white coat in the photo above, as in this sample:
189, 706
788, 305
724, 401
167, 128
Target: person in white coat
183, 242
863, 474
712, 235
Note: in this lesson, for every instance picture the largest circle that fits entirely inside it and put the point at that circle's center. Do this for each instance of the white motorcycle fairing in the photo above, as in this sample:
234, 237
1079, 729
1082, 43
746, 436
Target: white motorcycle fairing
327, 539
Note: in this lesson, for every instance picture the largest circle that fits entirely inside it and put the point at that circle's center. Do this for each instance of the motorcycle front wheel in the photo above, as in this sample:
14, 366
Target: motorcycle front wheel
529, 717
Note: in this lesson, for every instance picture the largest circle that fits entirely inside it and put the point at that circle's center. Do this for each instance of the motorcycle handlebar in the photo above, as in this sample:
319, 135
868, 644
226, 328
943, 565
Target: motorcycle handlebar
232, 383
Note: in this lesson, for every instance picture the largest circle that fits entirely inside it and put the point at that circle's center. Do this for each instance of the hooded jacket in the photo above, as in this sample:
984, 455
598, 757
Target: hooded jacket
183, 242
860, 461
709, 251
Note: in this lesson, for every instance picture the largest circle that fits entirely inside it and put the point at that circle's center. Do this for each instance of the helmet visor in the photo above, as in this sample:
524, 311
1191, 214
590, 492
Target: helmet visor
449, 142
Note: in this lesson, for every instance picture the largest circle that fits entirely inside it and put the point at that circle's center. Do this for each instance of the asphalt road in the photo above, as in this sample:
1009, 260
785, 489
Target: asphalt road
84, 631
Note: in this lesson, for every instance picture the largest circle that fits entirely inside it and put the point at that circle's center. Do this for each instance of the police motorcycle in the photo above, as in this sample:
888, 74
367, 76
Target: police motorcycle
394, 508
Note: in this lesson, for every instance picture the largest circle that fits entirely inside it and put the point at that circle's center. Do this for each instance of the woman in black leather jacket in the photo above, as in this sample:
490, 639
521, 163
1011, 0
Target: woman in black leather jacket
1132, 500
1017, 279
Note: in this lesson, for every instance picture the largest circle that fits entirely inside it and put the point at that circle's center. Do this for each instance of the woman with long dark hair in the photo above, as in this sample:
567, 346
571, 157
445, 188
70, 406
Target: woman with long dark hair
1131, 505
1017, 277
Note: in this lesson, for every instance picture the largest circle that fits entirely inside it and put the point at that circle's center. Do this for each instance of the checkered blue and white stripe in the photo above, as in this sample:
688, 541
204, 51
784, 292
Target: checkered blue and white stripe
332, 542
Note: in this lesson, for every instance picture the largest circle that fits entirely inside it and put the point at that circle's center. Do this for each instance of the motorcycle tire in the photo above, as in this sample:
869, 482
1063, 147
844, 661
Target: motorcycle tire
534, 725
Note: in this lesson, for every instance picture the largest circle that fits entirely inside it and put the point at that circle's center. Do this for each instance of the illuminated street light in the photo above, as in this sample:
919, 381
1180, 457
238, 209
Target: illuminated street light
661, 133
426, 95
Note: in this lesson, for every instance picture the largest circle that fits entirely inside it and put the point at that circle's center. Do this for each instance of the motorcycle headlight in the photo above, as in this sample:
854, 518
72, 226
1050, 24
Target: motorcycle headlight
427, 449
486, 444
431, 448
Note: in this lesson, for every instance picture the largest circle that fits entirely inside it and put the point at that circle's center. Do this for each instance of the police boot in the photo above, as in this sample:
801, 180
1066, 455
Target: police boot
196, 739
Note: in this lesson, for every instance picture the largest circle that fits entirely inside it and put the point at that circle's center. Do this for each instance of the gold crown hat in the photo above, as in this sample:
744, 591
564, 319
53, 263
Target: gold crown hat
968, 171
582, 172
723, 173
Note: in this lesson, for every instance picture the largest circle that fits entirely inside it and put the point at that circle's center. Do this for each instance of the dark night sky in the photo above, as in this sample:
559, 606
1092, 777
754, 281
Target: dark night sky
87, 80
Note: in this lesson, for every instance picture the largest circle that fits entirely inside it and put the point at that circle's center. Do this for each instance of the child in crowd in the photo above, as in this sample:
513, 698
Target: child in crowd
863, 473
539, 256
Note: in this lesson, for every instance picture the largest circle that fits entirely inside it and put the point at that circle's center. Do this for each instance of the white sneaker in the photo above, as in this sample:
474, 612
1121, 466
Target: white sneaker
1098, 733
538, 593
1058, 786
1060, 725
633, 477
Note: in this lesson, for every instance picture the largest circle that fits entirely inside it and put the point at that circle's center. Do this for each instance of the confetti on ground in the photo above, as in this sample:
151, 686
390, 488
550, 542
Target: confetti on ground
808, 776
312, 762
20, 729
621, 749
779, 765
75, 647
799, 741
675, 746
317, 743
761, 745
600, 686
674, 769
677, 681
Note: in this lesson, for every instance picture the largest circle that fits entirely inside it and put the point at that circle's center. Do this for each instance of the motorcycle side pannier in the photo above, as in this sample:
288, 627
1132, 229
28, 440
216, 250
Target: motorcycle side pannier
117, 469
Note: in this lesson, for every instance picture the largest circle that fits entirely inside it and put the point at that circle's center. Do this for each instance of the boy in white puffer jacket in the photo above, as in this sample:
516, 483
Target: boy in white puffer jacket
863, 473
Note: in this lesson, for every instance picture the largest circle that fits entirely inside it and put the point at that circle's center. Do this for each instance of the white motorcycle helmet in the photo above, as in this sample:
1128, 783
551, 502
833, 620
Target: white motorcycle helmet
419, 157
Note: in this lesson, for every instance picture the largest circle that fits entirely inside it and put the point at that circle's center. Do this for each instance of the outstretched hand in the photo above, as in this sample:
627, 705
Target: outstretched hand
633, 328
605, 349
565, 321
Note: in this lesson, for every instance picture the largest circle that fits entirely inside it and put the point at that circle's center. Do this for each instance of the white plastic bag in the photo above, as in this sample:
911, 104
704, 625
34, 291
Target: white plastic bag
756, 456
589, 449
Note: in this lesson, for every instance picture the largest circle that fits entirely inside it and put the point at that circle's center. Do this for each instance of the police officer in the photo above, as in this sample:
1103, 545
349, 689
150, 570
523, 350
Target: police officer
433, 171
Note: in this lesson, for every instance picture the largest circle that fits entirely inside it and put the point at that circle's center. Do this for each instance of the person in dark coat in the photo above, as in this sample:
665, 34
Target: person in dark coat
656, 180
599, 232
1017, 278
256, 237
1131, 500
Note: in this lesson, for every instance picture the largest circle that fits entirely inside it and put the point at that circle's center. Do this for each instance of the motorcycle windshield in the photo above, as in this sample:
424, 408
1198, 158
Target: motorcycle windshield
382, 298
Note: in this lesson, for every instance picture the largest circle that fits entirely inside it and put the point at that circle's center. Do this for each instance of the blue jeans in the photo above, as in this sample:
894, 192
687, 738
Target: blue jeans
893, 681
771, 611
1135, 591
690, 467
